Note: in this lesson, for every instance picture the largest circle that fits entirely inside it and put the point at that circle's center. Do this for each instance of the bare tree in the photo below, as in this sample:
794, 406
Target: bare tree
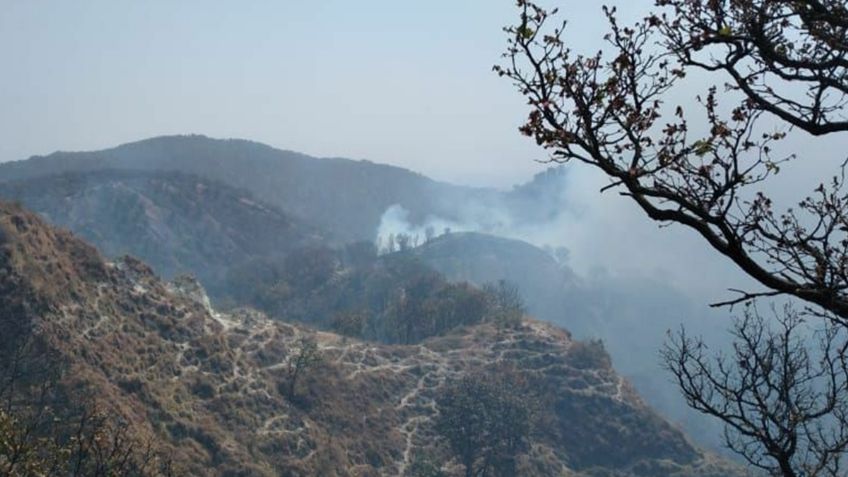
57, 438
429, 234
47, 428
404, 242
29, 373
390, 244
610, 111
783, 62
782, 401
506, 305
764, 46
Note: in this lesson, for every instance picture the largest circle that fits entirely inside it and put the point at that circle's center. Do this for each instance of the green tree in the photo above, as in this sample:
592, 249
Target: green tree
304, 357
310, 267
486, 420
423, 466
349, 322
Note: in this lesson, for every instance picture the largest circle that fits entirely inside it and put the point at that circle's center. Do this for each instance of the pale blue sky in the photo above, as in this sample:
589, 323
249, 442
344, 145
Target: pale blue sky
401, 82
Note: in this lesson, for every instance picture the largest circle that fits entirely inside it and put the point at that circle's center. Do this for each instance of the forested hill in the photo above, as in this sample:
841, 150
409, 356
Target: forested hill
178, 223
632, 317
344, 196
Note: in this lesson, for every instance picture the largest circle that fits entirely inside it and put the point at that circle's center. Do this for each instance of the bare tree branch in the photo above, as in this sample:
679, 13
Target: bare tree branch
783, 403
608, 111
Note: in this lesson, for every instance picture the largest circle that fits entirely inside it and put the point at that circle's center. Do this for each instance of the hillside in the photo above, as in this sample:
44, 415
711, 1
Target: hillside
632, 317
237, 247
594, 306
481, 258
175, 222
209, 387
345, 197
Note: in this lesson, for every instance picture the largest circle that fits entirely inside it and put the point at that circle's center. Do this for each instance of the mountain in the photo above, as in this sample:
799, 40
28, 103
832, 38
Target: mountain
345, 197
213, 390
177, 223
342, 196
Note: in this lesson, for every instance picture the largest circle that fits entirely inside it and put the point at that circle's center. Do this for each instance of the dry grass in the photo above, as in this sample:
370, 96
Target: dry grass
208, 385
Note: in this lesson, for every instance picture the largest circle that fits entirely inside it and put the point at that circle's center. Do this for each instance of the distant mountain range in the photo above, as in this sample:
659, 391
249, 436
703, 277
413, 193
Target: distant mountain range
344, 197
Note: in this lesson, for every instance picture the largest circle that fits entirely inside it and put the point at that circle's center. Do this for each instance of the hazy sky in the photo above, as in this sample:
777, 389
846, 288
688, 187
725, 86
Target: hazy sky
401, 82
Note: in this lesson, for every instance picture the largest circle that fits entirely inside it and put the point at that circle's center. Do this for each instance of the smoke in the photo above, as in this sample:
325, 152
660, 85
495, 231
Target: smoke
563, 210
395, 223
630, 281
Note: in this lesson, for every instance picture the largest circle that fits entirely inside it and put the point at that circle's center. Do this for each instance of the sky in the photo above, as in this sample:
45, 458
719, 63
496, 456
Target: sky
405, 83
398, 82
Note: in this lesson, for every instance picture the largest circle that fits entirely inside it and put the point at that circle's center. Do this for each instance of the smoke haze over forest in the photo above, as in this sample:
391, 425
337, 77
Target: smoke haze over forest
264, 148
